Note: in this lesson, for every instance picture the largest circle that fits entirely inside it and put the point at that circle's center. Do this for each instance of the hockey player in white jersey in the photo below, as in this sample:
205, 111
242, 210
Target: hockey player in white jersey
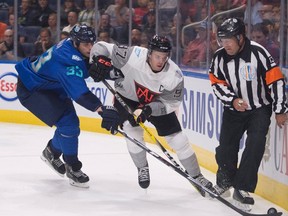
152, 84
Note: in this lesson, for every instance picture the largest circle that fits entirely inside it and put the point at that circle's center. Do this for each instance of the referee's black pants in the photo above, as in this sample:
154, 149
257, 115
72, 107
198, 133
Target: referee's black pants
256, 123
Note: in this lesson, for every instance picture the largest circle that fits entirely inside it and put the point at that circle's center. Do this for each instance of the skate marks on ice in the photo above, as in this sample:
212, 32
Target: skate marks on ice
29, 187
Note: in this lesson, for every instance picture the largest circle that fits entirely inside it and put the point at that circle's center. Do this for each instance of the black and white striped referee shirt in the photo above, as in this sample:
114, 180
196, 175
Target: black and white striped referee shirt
251, 75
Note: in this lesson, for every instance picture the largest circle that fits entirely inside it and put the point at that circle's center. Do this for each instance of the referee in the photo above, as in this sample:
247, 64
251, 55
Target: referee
250, 85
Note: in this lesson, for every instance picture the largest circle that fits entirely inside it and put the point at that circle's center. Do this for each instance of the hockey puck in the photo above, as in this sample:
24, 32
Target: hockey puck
271, 211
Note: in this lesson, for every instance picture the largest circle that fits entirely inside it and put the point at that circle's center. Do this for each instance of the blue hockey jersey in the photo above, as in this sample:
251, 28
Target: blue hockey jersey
61, 69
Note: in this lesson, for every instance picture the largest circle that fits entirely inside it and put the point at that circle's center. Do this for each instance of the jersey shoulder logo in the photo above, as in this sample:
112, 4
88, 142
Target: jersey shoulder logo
144, 94
76, 58
137, 51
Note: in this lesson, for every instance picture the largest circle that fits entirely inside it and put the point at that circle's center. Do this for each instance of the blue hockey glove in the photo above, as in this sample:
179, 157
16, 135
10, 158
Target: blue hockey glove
100, 68
110, 119
145, 113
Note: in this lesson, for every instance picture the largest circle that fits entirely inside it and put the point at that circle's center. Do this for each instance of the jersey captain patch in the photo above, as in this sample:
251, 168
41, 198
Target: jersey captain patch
144, 94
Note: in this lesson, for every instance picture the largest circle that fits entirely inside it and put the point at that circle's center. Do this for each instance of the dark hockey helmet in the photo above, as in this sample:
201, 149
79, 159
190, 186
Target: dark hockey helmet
231, 27
159, 43
82, 34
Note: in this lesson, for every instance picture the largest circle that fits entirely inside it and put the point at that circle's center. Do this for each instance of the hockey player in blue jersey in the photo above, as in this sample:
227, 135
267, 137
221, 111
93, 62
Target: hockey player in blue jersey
47, 84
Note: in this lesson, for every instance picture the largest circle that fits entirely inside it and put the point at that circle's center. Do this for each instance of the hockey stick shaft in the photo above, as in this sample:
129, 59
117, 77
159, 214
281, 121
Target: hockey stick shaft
192, 180
154, 139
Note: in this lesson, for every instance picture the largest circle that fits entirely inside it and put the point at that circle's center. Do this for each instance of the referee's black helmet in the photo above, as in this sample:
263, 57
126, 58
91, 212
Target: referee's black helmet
231, 27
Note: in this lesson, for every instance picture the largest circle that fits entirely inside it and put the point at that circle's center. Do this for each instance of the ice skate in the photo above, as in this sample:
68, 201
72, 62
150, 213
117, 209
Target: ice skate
77, 178
204, 182
143, 177
222, 191
243, 200
55, 163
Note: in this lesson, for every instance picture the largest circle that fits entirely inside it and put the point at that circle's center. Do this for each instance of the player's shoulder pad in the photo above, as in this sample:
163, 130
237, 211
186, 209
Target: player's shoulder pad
173, 67
66, 52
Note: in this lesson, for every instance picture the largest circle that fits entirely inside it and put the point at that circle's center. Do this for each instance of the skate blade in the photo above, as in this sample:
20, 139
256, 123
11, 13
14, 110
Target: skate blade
77, 184
242, 206
47, 162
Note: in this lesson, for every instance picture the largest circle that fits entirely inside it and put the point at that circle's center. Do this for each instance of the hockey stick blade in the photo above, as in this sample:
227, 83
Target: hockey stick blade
192, 180
130, 111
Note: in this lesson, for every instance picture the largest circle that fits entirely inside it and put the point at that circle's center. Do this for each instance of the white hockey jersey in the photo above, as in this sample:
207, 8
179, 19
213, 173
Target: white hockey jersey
163, 91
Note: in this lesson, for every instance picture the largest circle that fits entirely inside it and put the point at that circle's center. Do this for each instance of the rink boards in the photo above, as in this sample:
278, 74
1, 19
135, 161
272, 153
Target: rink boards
200, 116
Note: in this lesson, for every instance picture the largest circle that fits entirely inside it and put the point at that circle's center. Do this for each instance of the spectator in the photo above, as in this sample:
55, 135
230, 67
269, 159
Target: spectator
150, 27
151, 5
144, 40
104, 25
88, 15
194, 11
196, 51
69, 5
26, 14
276, 20
260, 34
273, 32
72, 20
64, 35
21, 34
276, 13
102, 5
117, 12
220, 6
265, 12
3, 27
140, 11
52, 26
42, 13
255, 15
104, 36
172, 36
124, 33
7, 47
44, 42
135, 37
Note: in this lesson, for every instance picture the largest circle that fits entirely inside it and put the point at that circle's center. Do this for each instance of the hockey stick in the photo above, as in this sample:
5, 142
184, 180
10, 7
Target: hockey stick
130, 111
154, 139
192, 180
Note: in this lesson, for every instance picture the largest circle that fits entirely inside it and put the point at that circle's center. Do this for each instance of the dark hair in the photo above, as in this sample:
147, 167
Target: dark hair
261, 27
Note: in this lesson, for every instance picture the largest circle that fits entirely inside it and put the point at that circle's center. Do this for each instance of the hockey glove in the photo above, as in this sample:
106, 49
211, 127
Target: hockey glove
100, 68
143, 113
110, 119
132, 120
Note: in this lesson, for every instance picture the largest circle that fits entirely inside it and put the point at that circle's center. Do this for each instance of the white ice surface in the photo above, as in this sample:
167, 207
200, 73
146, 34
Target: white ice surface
29, 187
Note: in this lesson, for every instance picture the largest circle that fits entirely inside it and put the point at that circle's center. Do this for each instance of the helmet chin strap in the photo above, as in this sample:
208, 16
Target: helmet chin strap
239, 44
